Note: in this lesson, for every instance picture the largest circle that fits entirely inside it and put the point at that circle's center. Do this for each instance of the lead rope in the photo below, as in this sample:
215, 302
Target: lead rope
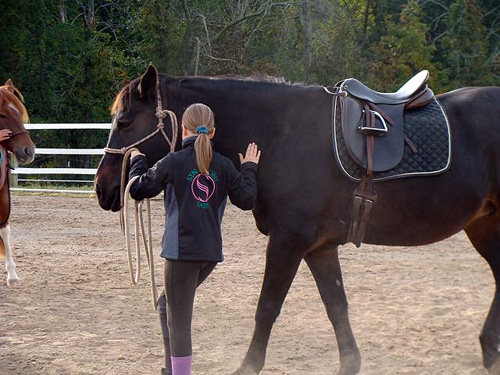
147, 239
124, 193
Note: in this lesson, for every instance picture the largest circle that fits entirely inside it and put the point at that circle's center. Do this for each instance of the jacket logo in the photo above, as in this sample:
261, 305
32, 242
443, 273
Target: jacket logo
202, 186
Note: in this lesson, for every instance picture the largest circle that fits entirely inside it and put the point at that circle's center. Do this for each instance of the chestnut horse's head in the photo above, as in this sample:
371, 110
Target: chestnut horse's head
139, 120
13, 115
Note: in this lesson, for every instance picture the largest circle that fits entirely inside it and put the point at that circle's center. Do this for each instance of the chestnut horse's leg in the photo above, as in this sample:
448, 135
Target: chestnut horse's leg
12, 278
325, 267
484, 234
284, 255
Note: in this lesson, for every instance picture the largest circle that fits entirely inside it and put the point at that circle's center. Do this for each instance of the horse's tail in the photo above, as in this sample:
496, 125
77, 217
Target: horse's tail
2, 249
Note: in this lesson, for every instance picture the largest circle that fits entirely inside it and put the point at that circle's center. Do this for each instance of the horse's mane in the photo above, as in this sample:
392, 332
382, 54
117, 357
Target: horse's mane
124, 97
9, 99
255, 78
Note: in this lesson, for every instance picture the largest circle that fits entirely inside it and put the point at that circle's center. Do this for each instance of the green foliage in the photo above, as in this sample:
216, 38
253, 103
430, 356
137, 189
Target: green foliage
403, 50
466, 46
70, 58
157, 35
339, 40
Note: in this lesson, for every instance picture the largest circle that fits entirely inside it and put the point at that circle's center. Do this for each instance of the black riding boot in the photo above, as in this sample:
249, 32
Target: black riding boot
162, 313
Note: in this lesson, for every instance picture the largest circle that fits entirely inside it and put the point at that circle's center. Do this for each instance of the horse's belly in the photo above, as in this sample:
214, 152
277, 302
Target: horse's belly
412, 234
420, 213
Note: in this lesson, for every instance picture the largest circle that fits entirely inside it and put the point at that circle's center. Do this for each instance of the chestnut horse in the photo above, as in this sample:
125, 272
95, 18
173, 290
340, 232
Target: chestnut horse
13, 115
304, 201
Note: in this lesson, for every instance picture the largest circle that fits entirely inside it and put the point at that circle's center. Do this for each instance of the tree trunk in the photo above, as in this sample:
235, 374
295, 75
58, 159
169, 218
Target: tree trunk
305, 19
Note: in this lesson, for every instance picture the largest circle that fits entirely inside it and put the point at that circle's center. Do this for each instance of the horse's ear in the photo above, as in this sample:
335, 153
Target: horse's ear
147, 86
10, 86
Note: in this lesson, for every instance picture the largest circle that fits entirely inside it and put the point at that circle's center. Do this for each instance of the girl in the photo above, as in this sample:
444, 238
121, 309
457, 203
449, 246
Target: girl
197, 182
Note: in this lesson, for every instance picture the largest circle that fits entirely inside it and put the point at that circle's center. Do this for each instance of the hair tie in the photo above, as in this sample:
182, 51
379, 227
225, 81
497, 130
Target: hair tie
202, 129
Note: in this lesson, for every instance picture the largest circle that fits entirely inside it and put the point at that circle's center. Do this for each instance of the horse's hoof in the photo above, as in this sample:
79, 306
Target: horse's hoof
13, 282
245, 370
349, 372
350, 365
495, 369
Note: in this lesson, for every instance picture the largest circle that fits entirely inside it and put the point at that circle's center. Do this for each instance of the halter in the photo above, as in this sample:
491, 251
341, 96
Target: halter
15, 134
127, 150
124, 191
160, 114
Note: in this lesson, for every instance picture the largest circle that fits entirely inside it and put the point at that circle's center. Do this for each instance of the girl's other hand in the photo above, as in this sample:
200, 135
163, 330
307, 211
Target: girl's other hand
252, 154
135, 153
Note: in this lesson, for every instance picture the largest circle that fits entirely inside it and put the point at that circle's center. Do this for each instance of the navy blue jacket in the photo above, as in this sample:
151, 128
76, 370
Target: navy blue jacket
194, 203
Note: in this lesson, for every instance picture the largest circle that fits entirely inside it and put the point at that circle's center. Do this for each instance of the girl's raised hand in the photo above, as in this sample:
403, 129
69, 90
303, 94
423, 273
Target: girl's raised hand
252, 154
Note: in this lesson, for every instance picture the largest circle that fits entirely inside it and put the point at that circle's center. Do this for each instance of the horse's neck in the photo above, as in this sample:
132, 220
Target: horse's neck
245, 111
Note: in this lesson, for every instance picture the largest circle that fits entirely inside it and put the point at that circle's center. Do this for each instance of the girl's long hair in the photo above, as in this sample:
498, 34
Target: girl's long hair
196, 115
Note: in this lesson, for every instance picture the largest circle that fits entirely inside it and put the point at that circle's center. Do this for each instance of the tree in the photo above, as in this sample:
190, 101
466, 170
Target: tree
465, 45
404, 50
156, 35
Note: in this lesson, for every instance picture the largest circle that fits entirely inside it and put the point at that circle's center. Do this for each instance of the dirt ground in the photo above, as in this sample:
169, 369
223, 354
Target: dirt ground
413, 310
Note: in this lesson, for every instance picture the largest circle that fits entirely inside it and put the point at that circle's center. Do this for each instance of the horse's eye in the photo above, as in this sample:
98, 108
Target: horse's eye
122, 124
122, 120
2, 115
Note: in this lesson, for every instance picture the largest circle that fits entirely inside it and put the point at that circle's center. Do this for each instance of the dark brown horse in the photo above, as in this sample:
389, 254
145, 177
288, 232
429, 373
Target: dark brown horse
13, 115
304, 202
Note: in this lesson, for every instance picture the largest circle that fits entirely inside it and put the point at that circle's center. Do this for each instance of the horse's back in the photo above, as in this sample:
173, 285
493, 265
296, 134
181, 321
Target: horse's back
474, 114
478, 106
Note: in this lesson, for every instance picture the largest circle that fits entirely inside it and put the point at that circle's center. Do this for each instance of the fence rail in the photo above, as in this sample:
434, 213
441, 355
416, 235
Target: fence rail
60, 151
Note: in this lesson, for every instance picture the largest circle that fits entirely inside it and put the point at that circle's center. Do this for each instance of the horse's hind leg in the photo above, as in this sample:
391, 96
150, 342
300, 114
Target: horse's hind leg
284, 255
484, 234
12, 278
325, 267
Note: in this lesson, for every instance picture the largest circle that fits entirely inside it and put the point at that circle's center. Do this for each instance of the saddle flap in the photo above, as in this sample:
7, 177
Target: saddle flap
388, 149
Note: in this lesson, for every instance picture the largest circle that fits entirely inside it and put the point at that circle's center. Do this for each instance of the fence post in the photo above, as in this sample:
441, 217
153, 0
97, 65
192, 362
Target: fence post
13, 176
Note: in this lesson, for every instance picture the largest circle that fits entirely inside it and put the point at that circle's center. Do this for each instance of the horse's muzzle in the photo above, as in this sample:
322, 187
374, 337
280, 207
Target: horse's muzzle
110, 201
25, 155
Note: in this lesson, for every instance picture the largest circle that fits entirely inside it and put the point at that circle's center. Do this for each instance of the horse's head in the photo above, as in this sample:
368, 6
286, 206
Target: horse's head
138, 113
13, 115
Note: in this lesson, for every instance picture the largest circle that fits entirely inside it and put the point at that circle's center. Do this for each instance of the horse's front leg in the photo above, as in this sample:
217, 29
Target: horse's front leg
284, 255
325, 267
12, 278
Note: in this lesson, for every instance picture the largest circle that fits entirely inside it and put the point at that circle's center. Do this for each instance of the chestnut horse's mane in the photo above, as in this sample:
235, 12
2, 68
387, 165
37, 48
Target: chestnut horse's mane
9, 99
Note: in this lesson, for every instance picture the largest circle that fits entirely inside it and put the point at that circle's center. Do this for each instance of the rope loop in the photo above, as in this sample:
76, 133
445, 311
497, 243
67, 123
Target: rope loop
139, 231
124, 192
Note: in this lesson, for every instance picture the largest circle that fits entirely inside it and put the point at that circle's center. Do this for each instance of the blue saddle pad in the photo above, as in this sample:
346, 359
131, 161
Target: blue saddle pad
427, 127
